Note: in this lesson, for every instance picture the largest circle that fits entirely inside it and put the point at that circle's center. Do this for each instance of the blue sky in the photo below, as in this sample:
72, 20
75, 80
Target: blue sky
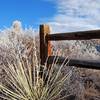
29, 12
61, 15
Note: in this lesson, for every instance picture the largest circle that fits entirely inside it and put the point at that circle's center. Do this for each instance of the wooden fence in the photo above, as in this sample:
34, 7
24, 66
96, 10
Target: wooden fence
46, 51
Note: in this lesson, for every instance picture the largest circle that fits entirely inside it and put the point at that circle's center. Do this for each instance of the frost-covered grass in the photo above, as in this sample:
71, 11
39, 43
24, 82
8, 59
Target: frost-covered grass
19, 57
22, 69
24, 81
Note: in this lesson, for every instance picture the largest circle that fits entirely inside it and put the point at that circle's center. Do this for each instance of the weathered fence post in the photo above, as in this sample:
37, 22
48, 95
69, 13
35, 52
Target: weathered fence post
46, 49
45, 46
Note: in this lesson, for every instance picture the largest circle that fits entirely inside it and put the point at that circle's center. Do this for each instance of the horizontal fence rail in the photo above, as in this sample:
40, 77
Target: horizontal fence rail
90, 64
81, 35
46, 46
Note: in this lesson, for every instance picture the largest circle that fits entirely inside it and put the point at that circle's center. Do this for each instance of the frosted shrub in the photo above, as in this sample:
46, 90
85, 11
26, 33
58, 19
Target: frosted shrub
22, 70
17, 27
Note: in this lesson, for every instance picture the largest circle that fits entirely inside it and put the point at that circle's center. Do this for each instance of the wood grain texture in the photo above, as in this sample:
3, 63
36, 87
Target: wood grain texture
81, 35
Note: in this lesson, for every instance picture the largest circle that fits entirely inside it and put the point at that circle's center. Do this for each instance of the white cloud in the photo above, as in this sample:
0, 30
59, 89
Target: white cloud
75, 15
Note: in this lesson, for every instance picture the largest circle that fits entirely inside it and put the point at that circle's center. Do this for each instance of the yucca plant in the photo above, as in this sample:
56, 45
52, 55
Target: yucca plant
24, 81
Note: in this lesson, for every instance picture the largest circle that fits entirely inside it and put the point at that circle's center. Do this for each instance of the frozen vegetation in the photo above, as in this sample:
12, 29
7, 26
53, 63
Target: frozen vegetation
83, 84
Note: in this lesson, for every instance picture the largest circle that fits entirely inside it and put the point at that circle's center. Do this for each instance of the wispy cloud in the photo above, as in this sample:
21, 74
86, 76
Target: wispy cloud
74, 15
